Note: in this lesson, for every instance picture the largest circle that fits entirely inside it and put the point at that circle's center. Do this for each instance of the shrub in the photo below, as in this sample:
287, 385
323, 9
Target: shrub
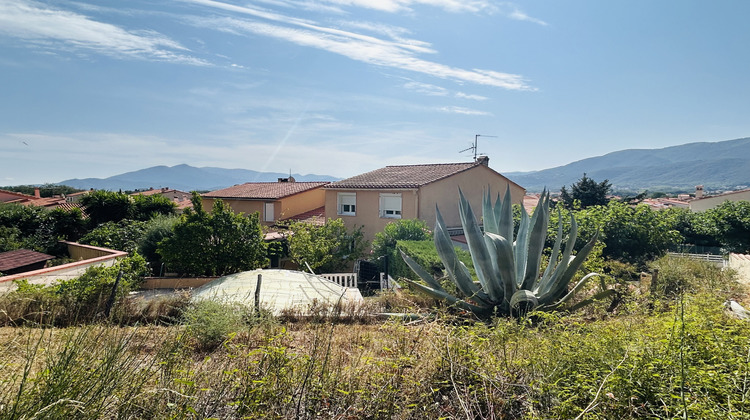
211, 322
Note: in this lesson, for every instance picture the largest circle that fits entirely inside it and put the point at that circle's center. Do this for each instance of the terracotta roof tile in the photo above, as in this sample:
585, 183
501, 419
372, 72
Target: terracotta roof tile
403, 176
21, 258
315, 216
264, 190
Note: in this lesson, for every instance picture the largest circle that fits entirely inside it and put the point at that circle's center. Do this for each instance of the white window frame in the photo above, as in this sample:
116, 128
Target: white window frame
268, 212
390, 205
346, 204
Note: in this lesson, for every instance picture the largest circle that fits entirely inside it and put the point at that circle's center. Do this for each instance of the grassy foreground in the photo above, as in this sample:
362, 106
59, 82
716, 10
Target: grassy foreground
672, 353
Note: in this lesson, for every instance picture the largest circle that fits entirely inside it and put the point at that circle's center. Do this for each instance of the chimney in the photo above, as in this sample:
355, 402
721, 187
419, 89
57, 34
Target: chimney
37, 193
483, 160
699, 191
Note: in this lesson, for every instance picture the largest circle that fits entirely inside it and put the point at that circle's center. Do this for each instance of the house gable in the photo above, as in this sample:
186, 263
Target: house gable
420, 188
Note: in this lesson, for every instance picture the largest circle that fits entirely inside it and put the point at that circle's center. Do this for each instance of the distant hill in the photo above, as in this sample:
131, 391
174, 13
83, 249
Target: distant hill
185, 178
723, 165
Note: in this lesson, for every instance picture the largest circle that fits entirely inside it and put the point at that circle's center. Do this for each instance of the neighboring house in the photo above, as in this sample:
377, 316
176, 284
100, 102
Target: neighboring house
706, 203
274, 201
373, 199
181, 198
22, 260
15, 197
76, 197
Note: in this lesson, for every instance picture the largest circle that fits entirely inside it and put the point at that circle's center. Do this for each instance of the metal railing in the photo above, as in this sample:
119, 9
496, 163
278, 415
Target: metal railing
342, 279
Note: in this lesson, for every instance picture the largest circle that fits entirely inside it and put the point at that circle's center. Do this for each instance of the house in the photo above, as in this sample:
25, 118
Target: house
703, 203
373, 199
274, 201
15, 197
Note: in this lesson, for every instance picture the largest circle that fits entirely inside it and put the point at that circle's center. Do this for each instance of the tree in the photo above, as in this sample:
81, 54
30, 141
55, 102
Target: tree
108, 206
731, 225
630, 234
216, 243
326, 248
37, 228
587, 192
146, 207
384, 244
122, 235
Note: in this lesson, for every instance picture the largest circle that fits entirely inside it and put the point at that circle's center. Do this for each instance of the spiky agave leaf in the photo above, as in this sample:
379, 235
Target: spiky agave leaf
442, 295
421, 272
502, 258
560, 284
535, 243
457, 272
480, 255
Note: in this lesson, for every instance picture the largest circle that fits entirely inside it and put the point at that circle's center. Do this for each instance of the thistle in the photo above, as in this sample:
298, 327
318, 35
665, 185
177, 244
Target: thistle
508, 271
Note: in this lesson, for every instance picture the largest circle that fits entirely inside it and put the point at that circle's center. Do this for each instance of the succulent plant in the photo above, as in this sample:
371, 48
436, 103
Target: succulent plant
508, 271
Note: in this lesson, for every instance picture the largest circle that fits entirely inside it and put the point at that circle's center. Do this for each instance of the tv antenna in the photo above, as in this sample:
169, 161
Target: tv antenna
474, 147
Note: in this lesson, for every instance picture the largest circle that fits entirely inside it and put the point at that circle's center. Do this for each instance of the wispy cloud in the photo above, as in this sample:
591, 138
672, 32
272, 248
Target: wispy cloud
359, 47
473, 6
463, 111
513, 12
53, 29
426, 89
462, 95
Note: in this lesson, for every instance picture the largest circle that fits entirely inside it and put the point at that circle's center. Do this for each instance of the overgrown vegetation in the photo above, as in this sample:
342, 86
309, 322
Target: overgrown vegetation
670, 353
77, 300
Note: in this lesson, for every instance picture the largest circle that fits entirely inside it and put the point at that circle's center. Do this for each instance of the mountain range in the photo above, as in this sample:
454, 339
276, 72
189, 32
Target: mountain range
185, 178
723, 165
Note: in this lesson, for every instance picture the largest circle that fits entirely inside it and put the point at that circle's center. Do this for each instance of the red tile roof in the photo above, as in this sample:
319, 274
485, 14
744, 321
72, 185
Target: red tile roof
315, 216
156, 191
403, 176
264, 190
21, 258
14, 197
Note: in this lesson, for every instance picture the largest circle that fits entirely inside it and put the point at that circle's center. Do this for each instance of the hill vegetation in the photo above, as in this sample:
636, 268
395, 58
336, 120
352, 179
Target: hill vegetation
718, 166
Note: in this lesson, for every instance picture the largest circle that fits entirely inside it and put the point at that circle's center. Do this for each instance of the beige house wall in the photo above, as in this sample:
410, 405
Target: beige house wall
472, 183
368, 209
282, 208
420, 204
300, 203
707, 203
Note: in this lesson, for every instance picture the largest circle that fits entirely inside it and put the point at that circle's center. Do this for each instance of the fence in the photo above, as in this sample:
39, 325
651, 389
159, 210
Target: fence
342, 279
711, 258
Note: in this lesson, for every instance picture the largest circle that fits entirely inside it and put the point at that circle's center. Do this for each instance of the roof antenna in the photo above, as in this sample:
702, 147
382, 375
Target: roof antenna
474, 147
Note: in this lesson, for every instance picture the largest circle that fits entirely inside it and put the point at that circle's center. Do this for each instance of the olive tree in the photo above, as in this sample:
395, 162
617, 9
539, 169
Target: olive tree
216, 243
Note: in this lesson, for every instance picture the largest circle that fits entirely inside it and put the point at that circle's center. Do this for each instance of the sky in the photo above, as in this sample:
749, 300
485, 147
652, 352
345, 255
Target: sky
342, 87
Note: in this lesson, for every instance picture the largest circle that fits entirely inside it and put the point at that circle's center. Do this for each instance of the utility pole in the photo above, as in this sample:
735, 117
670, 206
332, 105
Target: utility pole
474, 147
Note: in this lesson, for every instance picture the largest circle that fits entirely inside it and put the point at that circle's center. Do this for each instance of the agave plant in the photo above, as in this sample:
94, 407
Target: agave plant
508, 271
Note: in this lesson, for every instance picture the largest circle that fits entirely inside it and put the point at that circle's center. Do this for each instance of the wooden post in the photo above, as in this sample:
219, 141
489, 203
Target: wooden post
257, 294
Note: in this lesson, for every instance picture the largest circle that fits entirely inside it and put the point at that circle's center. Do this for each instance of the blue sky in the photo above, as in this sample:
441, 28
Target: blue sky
341, 87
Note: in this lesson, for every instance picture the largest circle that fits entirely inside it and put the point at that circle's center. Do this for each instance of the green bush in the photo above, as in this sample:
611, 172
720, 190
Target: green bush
211, 322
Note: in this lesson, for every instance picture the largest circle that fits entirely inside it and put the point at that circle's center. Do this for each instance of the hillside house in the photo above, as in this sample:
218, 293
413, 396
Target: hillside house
704, 203
15, 197
274, 201
373, 199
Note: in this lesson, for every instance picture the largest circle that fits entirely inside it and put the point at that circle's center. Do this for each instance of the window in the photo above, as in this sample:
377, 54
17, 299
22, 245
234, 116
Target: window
268, 215
390, 206
347, 204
